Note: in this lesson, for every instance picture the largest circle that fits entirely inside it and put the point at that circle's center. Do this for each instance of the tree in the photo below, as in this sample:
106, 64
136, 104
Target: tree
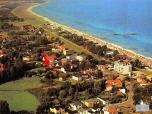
137, 98
4, 107
71, 91
62, 94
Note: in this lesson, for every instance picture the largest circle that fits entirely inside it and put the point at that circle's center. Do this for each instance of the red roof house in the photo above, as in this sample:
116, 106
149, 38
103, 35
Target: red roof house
110, 110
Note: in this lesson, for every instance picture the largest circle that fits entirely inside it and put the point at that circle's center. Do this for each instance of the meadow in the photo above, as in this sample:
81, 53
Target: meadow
17, 95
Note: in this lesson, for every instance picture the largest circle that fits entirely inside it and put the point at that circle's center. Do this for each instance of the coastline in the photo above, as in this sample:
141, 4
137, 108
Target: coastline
146, 60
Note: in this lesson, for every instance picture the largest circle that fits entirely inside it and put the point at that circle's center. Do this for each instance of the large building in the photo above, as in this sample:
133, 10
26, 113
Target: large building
123, 67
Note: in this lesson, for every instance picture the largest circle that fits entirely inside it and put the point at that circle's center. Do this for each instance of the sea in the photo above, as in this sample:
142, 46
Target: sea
127, 23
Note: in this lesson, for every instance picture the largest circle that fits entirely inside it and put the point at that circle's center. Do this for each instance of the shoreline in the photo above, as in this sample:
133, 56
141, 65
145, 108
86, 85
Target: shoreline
144, 59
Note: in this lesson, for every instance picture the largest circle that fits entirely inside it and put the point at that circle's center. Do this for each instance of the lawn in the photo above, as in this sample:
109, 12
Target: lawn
147, 72
16, 94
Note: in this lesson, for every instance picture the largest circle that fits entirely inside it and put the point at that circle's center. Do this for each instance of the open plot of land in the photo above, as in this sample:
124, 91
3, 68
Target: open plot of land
18, 97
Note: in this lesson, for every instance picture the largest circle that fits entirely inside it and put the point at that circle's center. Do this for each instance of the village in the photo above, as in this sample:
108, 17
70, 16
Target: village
103, 82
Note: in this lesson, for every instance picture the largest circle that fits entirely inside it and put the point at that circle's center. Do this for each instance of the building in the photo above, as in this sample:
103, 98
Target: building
149, 77
76, 78
94, 103
111, 83
1, 53
28, 28
49, 59
137, 74
123, 67
110, 110
79, 58
68, 52
75, 106
1, 67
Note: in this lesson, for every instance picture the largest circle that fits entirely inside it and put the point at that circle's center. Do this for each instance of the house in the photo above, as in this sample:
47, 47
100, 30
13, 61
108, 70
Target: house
49, 59
95, 111
109, 53
123, 67
68, 52
102, 67
123, 90
61, 47
149, 77
57, 110
1, 67
142, 107
62, 76
28, 28
110, 110
91, 103
6, 26
83, 111
137, 74
76, 78
140, 78
143, 83
111, 83
54, 110
79, 58
103, 101
122, 57
26, 58
63, 70
3, 35
75, 106
1, 53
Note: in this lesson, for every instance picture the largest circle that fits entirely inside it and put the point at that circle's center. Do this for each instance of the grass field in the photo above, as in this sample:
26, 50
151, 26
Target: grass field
147, 72
16, 94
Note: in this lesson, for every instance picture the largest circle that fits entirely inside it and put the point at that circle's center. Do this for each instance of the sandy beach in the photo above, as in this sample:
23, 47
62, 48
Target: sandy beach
146, 60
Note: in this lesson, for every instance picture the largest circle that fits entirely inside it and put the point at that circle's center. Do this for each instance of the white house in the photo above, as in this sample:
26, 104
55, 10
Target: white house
123, 91
103, 101
79, 58
76, 106
63, 70
123, 67
76, 78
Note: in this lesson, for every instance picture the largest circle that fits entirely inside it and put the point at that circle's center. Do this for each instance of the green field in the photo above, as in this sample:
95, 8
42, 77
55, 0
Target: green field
17, 96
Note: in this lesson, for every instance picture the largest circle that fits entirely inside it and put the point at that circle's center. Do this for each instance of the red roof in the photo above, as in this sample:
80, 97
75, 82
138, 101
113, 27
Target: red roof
47, 58
111, 110
51, 57
116, 82
61, 47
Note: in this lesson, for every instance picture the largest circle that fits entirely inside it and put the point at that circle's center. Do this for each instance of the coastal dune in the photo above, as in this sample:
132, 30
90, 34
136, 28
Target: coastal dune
144, 59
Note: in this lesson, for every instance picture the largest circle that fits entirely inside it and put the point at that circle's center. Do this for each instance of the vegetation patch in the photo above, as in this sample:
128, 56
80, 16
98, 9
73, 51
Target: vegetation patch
18, 97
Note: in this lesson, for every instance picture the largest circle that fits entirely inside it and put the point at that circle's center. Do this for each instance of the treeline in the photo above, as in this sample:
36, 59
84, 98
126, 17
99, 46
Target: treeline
90, 45
13, 66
